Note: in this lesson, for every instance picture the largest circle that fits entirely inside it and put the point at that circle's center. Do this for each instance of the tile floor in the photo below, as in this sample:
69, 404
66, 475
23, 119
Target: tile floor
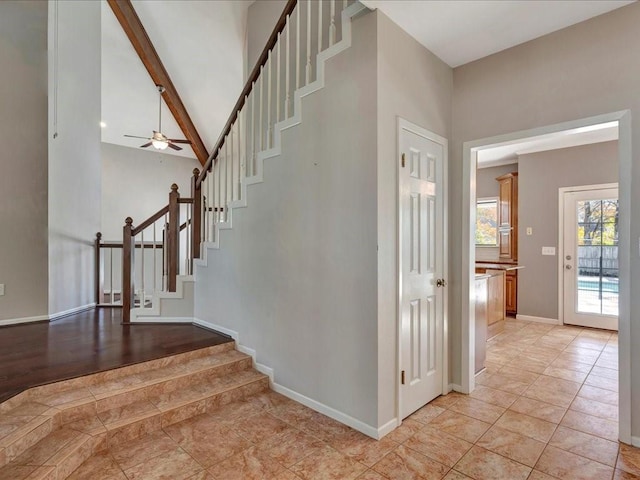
544, 408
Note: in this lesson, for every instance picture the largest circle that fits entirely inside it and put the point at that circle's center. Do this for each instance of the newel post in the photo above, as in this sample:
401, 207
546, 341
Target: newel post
173, 238
127, 269
196, 220
98, 268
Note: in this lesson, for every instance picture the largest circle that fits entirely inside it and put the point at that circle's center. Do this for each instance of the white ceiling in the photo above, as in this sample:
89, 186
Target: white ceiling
202, 45
508, 153
461, 31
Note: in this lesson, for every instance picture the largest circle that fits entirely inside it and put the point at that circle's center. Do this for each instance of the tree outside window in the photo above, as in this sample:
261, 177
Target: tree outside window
487, 222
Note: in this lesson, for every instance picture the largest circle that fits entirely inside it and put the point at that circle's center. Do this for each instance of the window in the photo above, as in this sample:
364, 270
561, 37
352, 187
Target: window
487, 222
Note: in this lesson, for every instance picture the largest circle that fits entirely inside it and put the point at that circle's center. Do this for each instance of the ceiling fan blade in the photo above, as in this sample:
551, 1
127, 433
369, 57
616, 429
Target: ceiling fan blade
135, 136
175, 147
179, 141
146, 145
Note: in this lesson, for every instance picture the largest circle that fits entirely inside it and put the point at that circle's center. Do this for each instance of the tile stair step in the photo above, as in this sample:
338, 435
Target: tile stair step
140, 402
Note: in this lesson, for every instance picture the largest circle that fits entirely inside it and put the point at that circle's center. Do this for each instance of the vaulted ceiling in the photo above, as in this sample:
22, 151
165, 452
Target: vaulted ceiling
202, 46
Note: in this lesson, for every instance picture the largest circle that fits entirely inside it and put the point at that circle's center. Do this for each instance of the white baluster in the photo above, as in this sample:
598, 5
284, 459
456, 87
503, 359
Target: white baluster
308, 68
232, 169
142, 269
298, 8
225, 198
260, 117
218, 187
253, 131
332, 26
278, 82
319, 26
269, 95
241, 159
153, 254
112, 294
286, 70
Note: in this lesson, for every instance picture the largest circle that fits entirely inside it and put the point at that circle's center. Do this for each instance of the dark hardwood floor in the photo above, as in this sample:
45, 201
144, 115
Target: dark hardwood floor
88, 342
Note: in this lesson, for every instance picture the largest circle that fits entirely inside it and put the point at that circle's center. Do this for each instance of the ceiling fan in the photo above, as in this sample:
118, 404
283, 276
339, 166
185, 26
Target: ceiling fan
159, 140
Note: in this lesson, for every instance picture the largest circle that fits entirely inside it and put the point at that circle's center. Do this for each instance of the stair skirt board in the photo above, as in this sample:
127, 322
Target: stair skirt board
154, 314
369, 430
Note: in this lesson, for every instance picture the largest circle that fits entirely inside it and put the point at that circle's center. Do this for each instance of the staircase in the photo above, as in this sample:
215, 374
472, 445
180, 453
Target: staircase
48, 431
290, 68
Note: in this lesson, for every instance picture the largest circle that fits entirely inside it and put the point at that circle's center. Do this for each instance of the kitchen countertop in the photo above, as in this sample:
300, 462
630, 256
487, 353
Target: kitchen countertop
499, 266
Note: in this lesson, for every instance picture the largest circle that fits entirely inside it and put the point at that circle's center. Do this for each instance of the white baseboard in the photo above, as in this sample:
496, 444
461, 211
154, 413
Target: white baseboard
18, 321
387, 428
162, 320
454, 387
531, 318
635, 441
65, 313
328, 411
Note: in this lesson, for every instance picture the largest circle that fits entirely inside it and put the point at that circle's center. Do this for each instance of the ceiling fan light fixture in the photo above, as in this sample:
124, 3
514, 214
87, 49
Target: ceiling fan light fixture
159, 144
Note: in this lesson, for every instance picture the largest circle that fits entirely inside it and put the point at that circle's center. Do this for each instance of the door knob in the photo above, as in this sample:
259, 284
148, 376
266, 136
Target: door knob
568, 267
441, 282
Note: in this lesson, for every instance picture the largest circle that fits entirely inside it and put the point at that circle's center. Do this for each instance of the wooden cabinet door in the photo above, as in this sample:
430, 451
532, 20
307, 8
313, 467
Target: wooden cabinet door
511, 293
506, 188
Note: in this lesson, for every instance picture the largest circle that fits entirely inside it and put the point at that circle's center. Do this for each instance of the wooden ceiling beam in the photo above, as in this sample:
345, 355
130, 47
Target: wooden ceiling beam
133, 28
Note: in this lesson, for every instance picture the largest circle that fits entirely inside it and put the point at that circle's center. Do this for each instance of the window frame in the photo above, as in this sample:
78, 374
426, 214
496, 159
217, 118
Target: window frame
495, 200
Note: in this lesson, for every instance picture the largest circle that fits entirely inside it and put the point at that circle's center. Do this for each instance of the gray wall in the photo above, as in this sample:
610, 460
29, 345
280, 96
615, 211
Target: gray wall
541, 175
297, 274
262, 18
23, 159
588, 69
136, 183
417, 86
487, 186
74, 156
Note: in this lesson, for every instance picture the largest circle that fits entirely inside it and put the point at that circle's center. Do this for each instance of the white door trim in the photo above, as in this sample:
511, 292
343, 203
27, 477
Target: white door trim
469, 163
403, 124
561, 192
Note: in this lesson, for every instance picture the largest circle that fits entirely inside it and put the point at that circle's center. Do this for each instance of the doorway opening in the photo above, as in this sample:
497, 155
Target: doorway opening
472, 151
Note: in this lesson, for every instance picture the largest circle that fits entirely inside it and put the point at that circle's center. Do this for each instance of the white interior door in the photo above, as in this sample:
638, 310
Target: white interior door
421, 266
590, 258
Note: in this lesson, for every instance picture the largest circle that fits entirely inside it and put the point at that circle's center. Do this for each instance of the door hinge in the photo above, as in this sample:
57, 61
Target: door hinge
402, 377
402, 161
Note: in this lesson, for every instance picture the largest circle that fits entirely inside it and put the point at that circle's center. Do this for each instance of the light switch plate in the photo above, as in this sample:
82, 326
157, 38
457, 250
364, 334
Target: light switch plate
548, 250
1, 289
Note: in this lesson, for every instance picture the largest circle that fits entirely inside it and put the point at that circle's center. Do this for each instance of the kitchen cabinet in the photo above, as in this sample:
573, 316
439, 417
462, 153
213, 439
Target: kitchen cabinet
511, 292
508, 217
481, 322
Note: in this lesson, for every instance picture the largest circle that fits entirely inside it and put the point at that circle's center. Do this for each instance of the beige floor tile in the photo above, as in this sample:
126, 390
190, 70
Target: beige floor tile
259, 427
538, 475
408, 428
595, 408
478, 409
361, 448
405, 463
445, 401
569, 364
531, 427
207, 442
371, 475
587, 357
512, 445
563, 464
519, 375
493, 396
132, 453
505, 383
438, 445
548, 394
600, 427
580, 443
327, 464
176, 465
622, 475
605, 372
427, 413
565, 374
453, 475
599, 394
290, 446
99, 467
602, 382
460, 426
249, 464
629, 459
537, 409
480, 463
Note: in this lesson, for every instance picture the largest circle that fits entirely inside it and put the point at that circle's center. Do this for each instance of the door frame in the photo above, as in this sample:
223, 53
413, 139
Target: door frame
561, 253
403, 124
467, 318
